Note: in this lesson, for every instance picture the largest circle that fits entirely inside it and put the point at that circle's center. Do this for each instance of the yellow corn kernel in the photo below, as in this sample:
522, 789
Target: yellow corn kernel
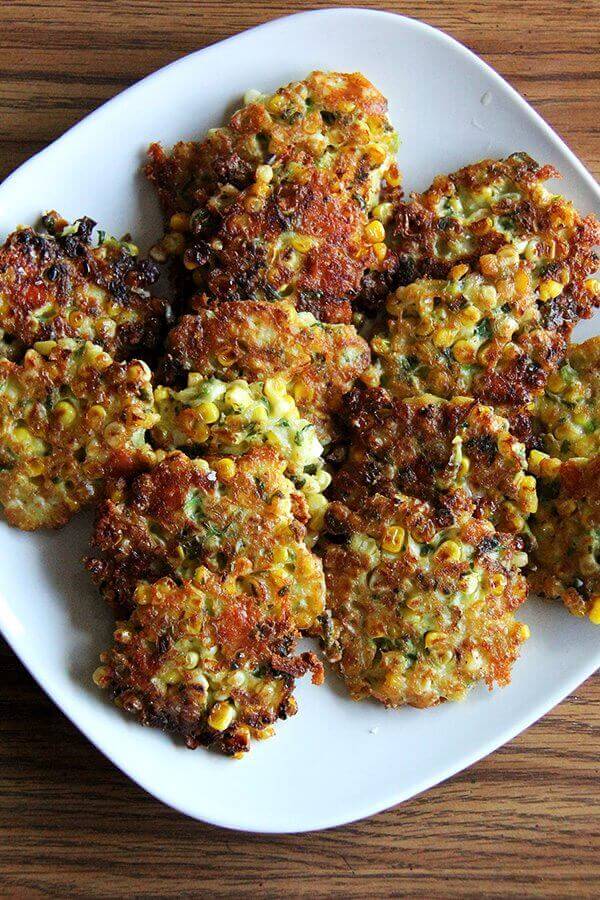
435, 639
275, 388
448, 552
114, 434
444, 337
457, 272
549, 468
225, 469
301, 242
160, 394
226, 359
393, 538
303, 393
393, 176
264, 174
179, 222
276, 104
488, 264
173, 243
481, 226
65, 412
488, 296
508, 255
317, 504
374, 232
528, 494
208, 412
470, 315
465, 465
522, 282
262, 734
383, 212
464, 352
536, 457
253, 204
238, 396
592, 285
523, 632
376, 155
44, 348
566, 431
101, 676
259, 415
594, 613
221, 716
280, 555
550, 289
380, 251
497, 583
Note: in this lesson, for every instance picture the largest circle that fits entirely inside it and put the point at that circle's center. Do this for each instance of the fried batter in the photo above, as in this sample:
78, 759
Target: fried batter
476, 211
70, 417
476, 334
568, 412
55, 284
276, 204
566, 561
419, 613
210, 660
255, 341
457, 455
233, 517
215, 417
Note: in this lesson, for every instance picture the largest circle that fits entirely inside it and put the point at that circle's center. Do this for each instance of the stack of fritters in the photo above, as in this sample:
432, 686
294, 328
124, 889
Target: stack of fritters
275, 476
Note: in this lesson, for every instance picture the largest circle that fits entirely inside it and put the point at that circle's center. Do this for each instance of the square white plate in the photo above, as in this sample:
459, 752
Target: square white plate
336, 761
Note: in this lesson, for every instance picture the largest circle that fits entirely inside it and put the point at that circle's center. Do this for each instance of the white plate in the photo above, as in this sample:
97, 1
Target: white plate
336, 761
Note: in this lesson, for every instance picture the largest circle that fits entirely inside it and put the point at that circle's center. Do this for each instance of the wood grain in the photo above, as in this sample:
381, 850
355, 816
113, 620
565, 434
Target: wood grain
525, 821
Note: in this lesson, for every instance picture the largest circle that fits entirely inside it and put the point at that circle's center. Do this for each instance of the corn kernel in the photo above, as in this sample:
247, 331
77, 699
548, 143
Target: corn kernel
488, 296
508, 255
274, 388
253, 204
301, 242
36, 468
374, 232
481, 226
179, 222
592, 285
488, 264
393, 176
444, 337
393, 538
280, 555
550, 289
594, 613
259, 415
383, 212
101, 676
522, 282
464, 352
65, 412
435, 638
457, 272
448, 552
470, 315
549, 468
221, 716
376, 155
208, 412
225, 469
523, 632
44, 348
276, 104
173, 243
264, 173
535, 460
303, 393
380, 251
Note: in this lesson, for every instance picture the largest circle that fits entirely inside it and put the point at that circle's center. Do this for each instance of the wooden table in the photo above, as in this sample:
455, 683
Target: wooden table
525, 821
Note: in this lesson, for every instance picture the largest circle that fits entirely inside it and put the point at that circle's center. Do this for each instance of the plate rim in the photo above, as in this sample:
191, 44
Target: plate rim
323, 820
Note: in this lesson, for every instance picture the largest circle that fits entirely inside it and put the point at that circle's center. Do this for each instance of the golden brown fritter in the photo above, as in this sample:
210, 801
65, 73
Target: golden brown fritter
276, 204
566, 559
56, 284
479, 333
211, 660
568, 413
457, 455
475, 212
255, 341
214, 417
231, 516
418, 613
70, 417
